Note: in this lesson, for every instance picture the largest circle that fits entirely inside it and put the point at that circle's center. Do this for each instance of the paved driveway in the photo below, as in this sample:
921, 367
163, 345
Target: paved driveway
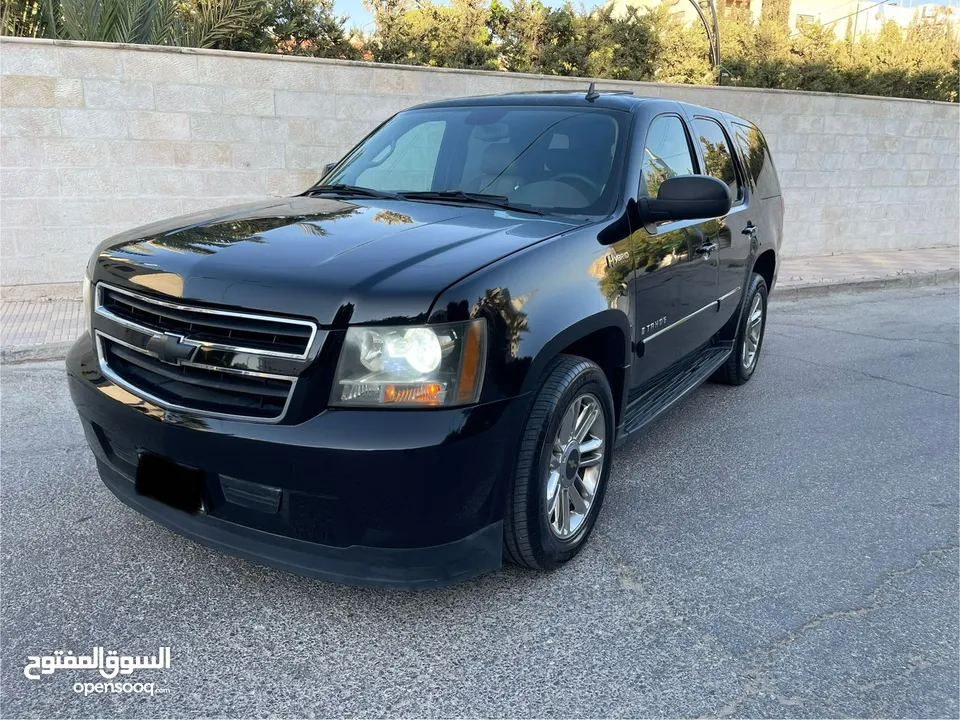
788, 548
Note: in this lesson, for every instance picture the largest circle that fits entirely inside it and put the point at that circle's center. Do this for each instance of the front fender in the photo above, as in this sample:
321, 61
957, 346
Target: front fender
537, 303
567, 336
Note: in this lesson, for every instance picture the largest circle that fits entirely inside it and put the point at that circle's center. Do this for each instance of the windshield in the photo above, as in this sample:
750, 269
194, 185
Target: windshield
553, 159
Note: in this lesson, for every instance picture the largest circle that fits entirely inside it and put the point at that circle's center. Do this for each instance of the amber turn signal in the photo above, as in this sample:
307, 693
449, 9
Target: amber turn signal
467, 388
423, 394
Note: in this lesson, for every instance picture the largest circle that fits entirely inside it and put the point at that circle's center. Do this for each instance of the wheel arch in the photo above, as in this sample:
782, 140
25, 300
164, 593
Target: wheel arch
604, 338
766, 266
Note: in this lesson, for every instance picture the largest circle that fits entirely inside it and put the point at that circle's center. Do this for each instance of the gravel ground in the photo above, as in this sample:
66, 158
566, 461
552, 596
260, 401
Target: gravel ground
788, 548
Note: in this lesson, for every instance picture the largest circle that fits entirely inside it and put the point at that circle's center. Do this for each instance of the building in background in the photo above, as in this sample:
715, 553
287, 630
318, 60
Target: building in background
866, 17
862, 17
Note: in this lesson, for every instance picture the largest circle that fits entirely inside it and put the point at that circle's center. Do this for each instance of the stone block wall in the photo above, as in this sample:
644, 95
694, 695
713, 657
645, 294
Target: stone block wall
97, 138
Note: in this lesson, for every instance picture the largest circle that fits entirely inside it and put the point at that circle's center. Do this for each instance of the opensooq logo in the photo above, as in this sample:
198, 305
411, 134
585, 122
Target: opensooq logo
109, 663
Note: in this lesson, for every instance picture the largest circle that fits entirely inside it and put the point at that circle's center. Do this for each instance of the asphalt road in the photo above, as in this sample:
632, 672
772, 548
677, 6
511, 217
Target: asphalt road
788, 548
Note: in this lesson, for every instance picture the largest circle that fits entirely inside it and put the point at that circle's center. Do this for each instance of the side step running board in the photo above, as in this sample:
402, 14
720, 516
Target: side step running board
663, 391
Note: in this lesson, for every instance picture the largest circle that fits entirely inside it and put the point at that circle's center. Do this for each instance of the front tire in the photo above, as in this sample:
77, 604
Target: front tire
742, 363
563, 466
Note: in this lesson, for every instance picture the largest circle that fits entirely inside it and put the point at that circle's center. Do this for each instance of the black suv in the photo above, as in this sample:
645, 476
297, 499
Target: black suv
422, 364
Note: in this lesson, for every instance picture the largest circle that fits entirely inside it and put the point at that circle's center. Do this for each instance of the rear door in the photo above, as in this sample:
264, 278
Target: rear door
733, 234
763, 185
676, 271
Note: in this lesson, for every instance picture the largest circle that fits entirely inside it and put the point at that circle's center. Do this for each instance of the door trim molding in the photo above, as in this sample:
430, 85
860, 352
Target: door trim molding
715, 304
681, 321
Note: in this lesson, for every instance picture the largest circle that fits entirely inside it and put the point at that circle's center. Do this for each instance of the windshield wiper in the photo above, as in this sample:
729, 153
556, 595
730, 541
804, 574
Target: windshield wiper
341, 189
500, 201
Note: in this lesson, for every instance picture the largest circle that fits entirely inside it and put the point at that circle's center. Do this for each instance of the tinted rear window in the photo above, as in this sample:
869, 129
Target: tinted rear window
756, 156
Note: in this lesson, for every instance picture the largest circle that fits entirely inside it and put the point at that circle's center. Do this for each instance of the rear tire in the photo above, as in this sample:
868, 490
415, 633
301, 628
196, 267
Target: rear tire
552, 505
748, 341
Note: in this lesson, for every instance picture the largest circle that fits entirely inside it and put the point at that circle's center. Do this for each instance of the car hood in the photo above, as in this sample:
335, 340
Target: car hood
336, 261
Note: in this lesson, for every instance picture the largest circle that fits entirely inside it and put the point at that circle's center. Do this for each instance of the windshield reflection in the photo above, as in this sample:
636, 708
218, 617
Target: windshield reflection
554, 159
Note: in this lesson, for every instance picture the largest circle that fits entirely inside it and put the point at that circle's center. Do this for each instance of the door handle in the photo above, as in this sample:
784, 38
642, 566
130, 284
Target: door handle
706, 248
750, 229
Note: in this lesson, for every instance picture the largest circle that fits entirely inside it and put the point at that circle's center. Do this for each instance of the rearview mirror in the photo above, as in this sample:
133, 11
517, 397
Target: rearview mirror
686, 197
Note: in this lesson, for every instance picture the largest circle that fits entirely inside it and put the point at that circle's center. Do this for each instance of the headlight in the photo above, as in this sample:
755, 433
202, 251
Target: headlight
87, 304
429, 365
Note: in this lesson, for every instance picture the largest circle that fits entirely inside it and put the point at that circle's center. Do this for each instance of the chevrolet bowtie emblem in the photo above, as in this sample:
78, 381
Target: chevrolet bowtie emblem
171, 348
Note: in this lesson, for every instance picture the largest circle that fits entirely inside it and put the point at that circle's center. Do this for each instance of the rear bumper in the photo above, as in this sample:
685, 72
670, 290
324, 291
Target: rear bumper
399, 499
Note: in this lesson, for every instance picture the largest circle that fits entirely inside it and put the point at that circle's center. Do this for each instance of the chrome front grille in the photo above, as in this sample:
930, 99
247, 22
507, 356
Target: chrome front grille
237, 331
200, 360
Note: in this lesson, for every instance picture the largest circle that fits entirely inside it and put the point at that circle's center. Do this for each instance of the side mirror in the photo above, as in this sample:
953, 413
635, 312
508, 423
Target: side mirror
686, 197
328, 167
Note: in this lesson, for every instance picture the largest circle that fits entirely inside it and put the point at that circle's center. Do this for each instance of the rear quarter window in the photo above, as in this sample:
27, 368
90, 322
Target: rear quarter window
757, 159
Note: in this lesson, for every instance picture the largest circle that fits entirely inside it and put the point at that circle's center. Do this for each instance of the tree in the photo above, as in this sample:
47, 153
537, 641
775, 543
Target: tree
624, 46
433, 34
390, 42
816, 59
776, 12
121, 21
310, 28
920, 61
519, 32
23, 18
229, 24
564, 50
222, 24
927, 45
681, 50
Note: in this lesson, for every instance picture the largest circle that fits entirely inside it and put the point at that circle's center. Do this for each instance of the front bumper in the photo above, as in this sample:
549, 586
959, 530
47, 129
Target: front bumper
401, 499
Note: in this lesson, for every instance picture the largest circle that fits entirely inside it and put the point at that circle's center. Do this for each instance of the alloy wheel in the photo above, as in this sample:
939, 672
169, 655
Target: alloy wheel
751, 338
576, 461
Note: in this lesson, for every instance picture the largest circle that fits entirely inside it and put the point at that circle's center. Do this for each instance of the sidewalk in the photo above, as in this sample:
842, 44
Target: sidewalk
44, 329
803, 277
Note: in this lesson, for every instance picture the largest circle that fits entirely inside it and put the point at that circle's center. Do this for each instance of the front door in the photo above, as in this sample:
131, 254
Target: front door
676, 265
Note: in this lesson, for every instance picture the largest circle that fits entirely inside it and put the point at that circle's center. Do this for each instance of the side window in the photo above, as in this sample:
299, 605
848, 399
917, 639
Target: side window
742, 135
756, 157
666, 153
411, 163
717, 155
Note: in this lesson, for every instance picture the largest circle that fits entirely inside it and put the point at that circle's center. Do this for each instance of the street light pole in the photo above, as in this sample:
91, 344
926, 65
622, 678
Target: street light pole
712, 28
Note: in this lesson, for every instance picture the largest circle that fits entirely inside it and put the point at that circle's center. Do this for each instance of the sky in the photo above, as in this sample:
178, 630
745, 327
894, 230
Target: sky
354, 10
359, 16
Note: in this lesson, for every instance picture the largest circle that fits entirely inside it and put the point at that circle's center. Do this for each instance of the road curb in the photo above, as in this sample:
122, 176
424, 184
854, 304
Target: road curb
35, 353
920, 279
58, 351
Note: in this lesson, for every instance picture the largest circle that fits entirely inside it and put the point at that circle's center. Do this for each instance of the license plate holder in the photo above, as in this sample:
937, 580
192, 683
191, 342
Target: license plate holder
178, 486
